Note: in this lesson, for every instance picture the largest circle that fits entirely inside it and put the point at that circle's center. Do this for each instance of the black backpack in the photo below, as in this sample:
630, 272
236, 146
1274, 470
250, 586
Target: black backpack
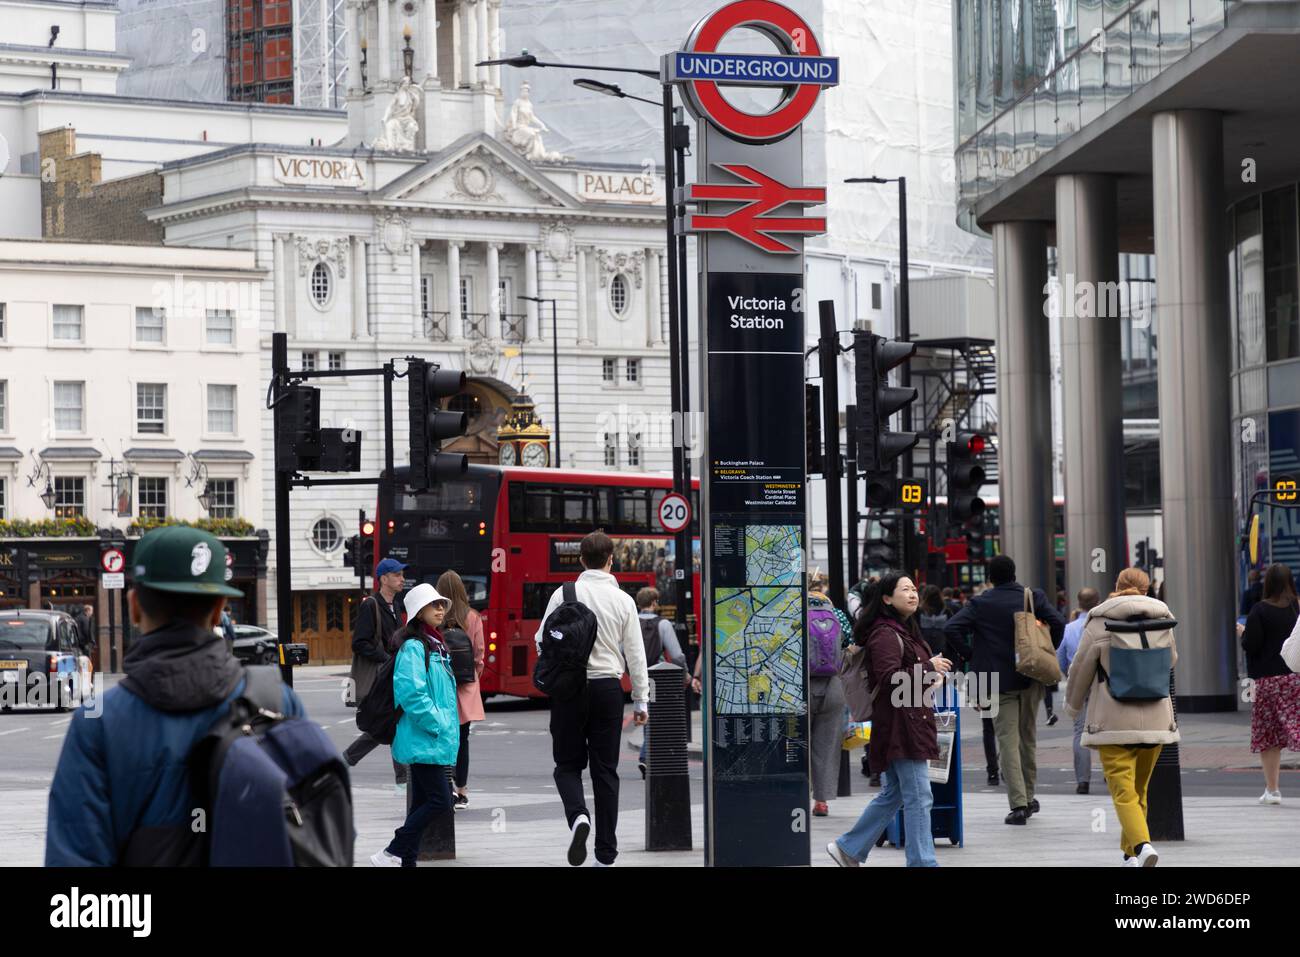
654, 645
378, 713
568, 635
461, 649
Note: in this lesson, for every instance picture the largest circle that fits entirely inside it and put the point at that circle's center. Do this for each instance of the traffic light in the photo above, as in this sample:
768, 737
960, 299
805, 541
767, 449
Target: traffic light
352, 557
812, 413
297, 428
873, 357
965, 476
430, 424
975, 539
885, 550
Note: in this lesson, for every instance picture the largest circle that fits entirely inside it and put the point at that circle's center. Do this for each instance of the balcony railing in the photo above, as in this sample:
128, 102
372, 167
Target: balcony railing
512, 327
437, 326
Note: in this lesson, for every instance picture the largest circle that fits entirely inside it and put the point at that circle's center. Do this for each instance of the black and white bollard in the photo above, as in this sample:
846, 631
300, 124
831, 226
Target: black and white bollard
667, 778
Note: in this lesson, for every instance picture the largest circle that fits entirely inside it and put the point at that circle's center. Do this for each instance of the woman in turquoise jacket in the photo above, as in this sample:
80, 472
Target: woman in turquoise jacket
428, 733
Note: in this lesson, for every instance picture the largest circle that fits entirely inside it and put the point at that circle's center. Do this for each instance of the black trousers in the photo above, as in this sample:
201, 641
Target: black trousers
588, 729
362, 746
990, 745
462, 757
430, 796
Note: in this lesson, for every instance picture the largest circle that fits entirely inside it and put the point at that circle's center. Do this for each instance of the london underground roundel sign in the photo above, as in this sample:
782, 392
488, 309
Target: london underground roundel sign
801, 69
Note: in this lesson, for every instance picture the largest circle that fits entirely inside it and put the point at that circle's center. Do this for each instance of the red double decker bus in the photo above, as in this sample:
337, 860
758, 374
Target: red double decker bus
513, 534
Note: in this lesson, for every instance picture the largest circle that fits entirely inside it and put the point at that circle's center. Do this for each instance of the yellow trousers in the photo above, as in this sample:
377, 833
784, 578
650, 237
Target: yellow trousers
1128, 772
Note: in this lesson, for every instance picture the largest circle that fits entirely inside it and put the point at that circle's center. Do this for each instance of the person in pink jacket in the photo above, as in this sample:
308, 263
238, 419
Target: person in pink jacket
468, 699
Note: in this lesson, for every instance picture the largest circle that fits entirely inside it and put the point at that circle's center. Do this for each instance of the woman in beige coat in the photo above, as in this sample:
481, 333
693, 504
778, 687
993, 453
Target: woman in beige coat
1127, 735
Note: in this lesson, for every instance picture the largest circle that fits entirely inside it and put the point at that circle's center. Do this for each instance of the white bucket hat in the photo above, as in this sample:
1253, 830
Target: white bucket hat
419, 596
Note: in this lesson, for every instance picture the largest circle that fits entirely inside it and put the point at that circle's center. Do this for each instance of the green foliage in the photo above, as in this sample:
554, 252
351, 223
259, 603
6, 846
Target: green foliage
78, 527
221, 527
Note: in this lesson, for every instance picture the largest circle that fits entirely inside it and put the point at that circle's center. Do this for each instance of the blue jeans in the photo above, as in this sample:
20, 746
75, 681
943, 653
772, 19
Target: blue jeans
907, 786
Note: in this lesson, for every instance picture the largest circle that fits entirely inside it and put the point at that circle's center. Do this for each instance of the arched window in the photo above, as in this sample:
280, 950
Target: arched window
618, 295
320, 284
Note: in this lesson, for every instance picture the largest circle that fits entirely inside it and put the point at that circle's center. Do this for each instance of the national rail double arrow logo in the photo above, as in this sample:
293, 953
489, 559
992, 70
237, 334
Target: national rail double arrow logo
753, 221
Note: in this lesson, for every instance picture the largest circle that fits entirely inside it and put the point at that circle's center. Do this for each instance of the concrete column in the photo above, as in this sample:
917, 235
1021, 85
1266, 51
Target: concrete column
455, 321
1024, 368
481, 48
288, 279
584, 334
456, 54
494, 290
277, 272
351, 24
652, 321
1087, 243
494, 42
418, 321
1195, 357
469, 43
530, 289
429, 40
360, 325
383, 44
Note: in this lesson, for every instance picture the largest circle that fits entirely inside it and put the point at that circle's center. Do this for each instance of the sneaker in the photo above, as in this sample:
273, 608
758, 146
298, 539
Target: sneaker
839, 857
820, 809
1130, 861
384, 859
1052, 719
1018, 815
640, 766
1271, 797
1081, 787
599, 863
460, 802
1148, 856
578, 842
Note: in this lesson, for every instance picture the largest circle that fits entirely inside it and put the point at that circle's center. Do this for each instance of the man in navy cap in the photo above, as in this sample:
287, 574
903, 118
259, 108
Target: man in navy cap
371, 636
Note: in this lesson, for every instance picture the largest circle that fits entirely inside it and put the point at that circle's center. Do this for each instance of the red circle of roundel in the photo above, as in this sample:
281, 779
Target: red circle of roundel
770, 126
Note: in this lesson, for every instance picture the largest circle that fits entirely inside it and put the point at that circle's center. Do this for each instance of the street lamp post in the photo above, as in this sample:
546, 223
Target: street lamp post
555, 371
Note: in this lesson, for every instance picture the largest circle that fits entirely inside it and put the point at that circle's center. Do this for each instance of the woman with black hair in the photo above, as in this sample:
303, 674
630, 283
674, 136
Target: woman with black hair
903, 734
1275, 714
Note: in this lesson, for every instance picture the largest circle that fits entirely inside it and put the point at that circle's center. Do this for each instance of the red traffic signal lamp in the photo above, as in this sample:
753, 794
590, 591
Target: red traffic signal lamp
965, 476
367, 528
874, 357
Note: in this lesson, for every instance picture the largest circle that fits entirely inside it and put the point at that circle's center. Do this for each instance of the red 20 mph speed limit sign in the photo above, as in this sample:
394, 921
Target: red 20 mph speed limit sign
674, 512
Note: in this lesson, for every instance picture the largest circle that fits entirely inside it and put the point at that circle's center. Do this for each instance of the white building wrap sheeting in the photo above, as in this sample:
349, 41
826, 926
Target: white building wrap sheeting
177, 49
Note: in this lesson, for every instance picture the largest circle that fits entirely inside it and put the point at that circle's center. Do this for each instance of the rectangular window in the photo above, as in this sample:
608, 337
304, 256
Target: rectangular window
221, 409
152, 493
67, 323
308, 362
336, 361
221, 498
4, 406
875, 295
633, 370
150, 408
426, 294
607, 367
220, 327
611, 448
634, 448
2, 498
466, 295
2, 322
69, 496
69, 407
150, 325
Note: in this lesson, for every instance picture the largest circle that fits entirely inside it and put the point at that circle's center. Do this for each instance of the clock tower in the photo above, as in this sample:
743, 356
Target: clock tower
523, 439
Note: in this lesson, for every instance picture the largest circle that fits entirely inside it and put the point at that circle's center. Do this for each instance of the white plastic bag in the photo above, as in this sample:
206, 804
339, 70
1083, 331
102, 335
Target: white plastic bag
1291, 648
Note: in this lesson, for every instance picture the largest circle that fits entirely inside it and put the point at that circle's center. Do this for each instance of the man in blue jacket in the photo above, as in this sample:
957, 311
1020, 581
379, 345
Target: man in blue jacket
121, 792
990, 619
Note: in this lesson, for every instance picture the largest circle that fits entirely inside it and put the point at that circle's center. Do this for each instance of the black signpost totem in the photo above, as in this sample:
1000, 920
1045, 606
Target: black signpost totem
749, 215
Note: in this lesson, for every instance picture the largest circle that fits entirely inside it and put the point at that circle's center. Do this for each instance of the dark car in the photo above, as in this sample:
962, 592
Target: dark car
39, 659
255, 646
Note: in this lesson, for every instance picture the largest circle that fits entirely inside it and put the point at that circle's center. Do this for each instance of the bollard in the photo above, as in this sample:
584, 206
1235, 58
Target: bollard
667, 778
438, 842
845, 788
1165, 792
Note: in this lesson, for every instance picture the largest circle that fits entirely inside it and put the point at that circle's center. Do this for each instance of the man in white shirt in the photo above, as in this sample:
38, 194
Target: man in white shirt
590, 725
1088, 599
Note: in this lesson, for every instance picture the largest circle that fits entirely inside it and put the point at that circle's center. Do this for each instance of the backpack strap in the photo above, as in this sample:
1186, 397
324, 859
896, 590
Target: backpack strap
263, 688
570, 591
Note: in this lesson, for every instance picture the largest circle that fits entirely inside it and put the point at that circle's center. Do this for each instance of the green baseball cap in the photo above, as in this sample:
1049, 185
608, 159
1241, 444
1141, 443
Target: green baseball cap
185, 560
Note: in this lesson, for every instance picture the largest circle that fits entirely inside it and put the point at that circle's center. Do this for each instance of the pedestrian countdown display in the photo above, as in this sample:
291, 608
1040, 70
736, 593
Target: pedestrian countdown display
748, 214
